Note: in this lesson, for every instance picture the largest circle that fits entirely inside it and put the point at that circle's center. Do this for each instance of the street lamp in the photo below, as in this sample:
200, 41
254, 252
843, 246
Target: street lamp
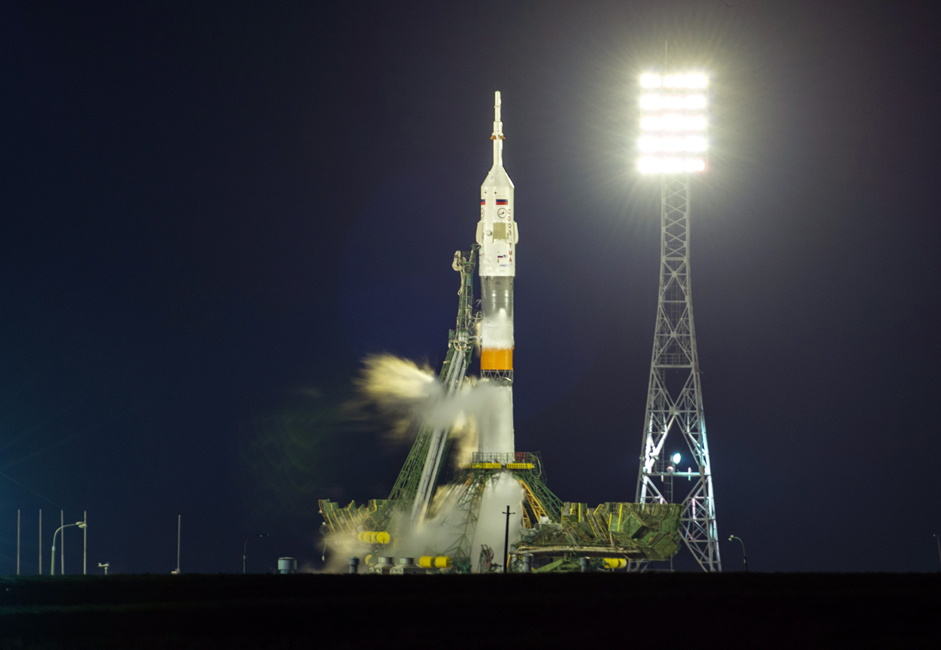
245, 550
744, 557
52, 571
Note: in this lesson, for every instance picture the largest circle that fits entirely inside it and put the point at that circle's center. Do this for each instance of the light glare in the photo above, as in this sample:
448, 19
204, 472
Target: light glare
694, 102
673, 102
650, 81
673, 122
654, 144
683, 81
648, 143
670, 165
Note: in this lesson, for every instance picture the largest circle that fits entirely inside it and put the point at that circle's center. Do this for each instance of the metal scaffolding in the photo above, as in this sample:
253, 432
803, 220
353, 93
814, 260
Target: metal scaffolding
539, 503
416, 483
674, 395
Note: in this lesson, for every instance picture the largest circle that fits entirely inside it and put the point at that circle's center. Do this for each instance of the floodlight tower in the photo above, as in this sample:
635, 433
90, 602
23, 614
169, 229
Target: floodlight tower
673, 144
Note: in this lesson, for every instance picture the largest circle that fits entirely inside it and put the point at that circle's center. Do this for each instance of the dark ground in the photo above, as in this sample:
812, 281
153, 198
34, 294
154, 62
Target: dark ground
550, 611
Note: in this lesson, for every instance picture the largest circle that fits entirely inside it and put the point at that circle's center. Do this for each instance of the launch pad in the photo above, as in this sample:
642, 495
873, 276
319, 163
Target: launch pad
446, 524
557, 535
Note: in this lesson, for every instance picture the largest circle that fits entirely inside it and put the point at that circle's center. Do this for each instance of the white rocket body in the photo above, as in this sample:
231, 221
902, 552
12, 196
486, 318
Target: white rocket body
497, 234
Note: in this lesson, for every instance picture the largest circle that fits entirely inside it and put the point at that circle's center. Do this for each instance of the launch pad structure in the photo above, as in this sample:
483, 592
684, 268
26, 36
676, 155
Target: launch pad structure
555, 536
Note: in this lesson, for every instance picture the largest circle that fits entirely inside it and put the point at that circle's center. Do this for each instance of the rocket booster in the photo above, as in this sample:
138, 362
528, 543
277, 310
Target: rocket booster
497, 234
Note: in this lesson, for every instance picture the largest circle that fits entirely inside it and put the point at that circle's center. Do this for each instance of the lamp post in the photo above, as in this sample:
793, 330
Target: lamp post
506, 539
245, 550
52, 564
744, 557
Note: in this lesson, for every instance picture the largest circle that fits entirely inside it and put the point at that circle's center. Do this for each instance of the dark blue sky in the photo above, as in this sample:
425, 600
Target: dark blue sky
211, 214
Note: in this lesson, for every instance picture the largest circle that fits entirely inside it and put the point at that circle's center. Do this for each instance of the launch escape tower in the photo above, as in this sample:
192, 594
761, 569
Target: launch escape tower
672, 145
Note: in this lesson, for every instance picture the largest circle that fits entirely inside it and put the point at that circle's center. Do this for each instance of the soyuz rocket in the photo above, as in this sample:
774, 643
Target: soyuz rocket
497, 235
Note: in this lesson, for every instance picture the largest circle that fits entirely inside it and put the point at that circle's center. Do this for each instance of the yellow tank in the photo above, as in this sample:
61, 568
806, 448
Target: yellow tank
374, 537
615, 562
432, 562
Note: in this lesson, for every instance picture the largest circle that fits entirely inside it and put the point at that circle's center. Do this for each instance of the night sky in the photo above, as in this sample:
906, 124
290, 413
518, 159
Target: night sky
212, 213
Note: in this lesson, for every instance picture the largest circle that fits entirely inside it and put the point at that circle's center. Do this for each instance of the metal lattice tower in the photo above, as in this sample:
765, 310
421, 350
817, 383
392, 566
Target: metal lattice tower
415, 486
674, 394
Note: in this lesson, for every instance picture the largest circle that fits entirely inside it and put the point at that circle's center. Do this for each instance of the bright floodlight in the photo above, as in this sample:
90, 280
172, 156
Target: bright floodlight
677, 458
672, 144
672, 102
674, 123
685, 81
657, 165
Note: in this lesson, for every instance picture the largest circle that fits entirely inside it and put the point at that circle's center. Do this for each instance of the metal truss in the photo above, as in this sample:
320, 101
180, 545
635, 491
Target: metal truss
674, 394
467, 513
417, 480
539, 501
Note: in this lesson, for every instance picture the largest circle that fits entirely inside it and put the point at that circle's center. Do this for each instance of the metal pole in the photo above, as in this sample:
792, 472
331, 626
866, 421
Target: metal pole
40, 541
245, 550
744, 557
52, 561
506, 539
85, 543
62, 550
179, 523
52, 558
17, 542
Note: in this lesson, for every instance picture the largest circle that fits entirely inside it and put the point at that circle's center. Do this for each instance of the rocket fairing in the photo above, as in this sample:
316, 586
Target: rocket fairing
497, 234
